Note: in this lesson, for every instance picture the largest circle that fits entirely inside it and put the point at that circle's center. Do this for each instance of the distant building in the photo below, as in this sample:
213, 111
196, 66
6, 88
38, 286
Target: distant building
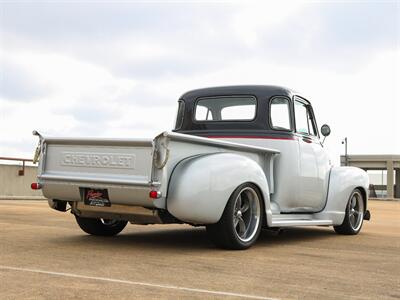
383, 171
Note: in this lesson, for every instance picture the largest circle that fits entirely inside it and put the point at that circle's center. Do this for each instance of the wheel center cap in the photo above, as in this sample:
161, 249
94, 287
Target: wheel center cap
239, 213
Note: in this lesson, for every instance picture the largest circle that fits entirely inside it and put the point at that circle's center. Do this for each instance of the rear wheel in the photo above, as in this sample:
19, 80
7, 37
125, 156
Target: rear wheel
354, 216
102, 227
240, 224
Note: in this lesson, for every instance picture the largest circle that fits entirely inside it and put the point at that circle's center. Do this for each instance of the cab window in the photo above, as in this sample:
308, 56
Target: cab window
305, 123
180, 115
280, 113
226, 108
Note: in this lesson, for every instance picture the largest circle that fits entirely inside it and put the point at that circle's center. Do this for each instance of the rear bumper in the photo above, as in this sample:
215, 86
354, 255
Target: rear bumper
134, 214
120, 193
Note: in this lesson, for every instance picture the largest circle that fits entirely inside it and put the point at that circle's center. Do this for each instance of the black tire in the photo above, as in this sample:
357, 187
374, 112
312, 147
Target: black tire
354, 215
224, 234
101, 227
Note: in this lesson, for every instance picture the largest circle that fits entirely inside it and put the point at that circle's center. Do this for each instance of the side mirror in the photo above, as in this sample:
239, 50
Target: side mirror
325, 130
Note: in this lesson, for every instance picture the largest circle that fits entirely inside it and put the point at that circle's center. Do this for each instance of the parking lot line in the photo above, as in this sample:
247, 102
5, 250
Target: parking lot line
147, 284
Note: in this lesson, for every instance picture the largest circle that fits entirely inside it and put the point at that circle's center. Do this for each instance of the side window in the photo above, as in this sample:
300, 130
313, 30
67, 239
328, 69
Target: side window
311, 122
300, 112
180, 115
304, 120
280, 113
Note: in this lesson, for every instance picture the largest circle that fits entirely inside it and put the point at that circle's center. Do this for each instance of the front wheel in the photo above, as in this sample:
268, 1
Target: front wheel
240, 224
354, 216
102, 227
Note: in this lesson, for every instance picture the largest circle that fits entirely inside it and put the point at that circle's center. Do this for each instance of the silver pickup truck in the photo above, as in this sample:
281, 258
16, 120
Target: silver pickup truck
240, 158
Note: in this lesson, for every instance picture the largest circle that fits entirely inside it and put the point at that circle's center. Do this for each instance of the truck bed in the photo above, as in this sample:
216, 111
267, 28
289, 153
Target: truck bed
128, 168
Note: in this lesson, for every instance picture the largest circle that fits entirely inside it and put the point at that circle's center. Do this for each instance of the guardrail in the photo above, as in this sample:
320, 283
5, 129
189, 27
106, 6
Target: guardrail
21, 172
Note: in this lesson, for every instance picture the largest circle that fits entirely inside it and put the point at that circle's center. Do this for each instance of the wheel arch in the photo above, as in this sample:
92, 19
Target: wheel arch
263, 200
364, 195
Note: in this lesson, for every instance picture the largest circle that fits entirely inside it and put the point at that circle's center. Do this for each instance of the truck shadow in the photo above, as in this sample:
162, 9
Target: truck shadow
195, 238
294, 235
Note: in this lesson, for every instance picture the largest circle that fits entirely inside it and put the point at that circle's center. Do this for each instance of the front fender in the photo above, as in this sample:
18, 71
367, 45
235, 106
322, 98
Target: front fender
200, 186
343, 180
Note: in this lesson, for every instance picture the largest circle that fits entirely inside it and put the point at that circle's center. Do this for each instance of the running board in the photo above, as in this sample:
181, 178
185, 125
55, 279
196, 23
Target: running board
298, 220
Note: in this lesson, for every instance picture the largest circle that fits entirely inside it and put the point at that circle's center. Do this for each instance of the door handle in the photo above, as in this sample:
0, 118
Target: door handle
307, 140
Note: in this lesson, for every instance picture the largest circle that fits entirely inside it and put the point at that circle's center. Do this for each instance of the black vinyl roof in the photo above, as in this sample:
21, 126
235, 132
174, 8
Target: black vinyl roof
260, 91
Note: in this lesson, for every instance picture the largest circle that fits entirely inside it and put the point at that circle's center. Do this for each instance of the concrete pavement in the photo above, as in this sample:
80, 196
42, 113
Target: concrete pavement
44, 255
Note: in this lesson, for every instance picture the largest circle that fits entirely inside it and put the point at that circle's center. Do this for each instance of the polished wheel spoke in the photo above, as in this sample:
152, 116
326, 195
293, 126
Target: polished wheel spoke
235, 221
352, 220
238, 203
245, 206
353, 202
242, 227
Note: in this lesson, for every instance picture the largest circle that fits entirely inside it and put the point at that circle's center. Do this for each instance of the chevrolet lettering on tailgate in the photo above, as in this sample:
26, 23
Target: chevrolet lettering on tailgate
98, 160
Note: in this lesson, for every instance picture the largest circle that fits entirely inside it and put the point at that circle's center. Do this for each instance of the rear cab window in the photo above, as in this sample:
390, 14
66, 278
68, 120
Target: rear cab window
225, 108
280, 114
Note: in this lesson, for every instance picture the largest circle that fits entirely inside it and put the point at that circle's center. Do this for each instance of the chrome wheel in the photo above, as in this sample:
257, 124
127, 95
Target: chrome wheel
354, 215
246, 214
356, 211
240, 224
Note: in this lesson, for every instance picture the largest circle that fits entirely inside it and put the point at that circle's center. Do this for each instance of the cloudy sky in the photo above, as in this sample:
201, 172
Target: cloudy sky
116, 69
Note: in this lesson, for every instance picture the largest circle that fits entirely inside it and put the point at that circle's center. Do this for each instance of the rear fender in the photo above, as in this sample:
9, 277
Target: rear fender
200, 186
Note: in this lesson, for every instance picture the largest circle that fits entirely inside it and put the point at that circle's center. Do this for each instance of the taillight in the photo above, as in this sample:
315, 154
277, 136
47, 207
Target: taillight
155, 194
36, 186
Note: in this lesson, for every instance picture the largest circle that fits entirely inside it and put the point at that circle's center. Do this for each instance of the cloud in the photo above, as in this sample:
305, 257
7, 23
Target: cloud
17, 83
341, 36
117, 69
133, 40
371, 24
156, 41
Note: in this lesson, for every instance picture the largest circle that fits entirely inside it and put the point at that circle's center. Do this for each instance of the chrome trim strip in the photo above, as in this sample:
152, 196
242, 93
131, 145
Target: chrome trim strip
289, 223
99, 141
213, 142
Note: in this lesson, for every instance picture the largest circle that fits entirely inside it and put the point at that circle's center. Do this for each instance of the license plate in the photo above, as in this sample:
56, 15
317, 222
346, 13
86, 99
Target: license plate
96, 197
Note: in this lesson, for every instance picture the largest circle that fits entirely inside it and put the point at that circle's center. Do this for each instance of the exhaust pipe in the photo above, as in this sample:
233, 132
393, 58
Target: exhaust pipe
367, 215
58, 205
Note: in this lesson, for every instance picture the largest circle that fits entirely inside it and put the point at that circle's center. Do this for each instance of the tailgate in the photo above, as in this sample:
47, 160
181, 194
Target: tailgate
122, 166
